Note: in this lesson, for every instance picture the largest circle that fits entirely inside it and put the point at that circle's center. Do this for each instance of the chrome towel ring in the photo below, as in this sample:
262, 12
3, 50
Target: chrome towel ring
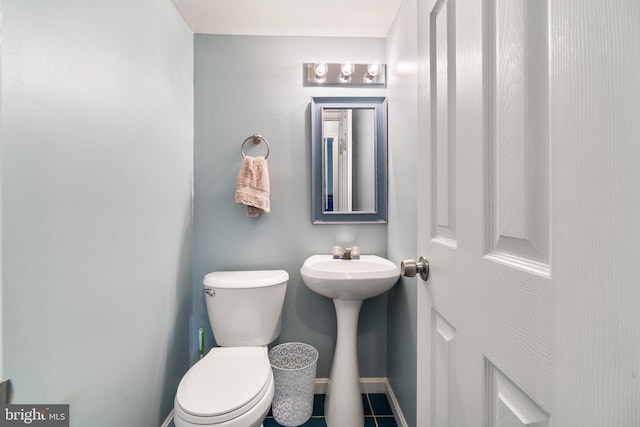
257, 139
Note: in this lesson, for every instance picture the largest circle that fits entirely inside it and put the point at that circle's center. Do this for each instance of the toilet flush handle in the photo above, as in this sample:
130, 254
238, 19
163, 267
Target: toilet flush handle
210, 292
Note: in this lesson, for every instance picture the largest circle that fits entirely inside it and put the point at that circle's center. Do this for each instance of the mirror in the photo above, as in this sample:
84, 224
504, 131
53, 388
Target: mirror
349, 159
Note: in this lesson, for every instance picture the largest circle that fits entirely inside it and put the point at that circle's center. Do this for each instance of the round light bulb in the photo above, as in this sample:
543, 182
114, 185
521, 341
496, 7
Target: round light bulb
347, 69
374, 70
321, 69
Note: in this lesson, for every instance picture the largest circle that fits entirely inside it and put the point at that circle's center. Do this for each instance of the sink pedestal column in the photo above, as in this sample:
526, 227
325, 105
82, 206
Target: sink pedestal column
343, 402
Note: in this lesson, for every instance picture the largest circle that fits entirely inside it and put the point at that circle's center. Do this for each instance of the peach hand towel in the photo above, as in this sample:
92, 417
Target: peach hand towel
252, 186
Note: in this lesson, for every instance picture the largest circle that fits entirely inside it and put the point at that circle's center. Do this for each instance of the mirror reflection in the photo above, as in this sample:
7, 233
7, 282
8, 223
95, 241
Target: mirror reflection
349, 159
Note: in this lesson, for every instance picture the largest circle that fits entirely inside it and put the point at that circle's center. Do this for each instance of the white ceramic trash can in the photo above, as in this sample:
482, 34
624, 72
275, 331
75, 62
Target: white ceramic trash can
294, 371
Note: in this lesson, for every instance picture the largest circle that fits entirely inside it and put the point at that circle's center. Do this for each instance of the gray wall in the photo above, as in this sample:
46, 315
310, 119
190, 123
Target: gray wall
243, 85
97, 131
403, 121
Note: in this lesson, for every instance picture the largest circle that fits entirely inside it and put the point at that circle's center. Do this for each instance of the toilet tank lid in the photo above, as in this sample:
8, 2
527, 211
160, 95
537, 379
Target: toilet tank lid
245, 279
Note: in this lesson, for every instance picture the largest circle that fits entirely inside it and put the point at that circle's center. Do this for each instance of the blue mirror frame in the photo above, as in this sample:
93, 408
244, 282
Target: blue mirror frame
379, 106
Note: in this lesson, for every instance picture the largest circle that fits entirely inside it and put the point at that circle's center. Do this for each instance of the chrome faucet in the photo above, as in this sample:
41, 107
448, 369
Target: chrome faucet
346, 254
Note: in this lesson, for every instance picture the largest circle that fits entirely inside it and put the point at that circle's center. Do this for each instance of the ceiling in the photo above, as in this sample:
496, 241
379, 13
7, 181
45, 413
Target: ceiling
330, 18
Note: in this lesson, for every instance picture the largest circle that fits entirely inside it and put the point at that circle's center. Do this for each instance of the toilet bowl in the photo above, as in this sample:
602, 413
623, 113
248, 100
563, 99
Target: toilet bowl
229, 387
233, 385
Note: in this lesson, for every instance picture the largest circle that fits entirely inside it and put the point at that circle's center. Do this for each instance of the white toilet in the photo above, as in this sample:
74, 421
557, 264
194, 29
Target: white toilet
232, 386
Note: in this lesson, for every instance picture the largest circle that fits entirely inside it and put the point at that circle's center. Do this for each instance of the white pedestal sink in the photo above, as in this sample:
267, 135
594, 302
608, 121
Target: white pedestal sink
348, 283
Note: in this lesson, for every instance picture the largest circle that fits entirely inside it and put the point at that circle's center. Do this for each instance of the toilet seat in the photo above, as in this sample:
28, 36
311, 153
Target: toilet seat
226, 383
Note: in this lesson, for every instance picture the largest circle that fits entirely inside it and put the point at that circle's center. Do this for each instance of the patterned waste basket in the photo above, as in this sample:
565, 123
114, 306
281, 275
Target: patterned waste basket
294, 371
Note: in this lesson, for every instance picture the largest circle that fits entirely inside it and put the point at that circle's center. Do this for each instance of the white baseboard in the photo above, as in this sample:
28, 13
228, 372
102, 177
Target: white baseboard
320, 386
168, 420
395, 406
372, 385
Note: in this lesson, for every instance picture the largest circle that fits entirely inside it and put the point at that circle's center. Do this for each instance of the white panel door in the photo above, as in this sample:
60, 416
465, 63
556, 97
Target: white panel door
530, 213
486, 313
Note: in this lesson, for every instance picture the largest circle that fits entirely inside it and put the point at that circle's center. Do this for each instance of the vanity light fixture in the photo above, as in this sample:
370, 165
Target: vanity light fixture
346, 74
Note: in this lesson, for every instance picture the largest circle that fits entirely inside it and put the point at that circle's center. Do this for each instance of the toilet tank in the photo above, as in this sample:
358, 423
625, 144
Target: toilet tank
245, 307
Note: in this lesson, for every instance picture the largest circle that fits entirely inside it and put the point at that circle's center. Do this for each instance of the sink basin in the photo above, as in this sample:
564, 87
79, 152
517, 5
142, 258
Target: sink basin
348, 283
355, 279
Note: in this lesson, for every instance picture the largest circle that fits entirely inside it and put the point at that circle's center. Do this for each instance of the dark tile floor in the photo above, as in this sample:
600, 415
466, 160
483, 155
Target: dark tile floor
377, 412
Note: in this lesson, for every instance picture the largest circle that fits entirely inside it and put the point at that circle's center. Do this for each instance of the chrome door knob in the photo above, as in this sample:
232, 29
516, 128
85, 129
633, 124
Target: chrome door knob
409, 268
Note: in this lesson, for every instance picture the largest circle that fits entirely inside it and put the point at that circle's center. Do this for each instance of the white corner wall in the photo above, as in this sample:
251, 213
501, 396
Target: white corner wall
402, 53
97, 164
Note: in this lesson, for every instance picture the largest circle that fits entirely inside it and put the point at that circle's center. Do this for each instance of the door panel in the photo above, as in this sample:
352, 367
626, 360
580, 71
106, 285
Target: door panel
443, 153
516, 111
508, 405
444, 371
487, 332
